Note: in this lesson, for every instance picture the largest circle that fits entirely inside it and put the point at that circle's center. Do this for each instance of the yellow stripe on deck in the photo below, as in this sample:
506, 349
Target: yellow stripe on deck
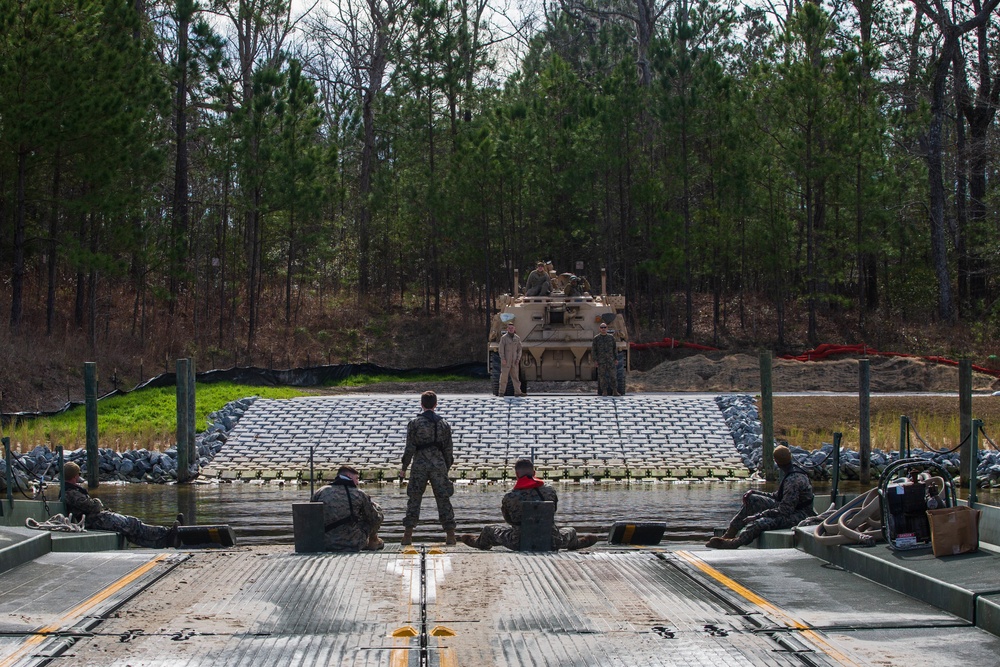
779, 613
43, 633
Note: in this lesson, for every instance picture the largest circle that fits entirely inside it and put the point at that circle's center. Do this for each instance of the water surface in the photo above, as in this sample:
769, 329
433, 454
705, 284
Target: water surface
262, 514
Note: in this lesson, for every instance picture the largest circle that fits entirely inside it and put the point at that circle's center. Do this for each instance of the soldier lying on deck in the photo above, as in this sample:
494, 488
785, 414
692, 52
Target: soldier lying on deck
80, 504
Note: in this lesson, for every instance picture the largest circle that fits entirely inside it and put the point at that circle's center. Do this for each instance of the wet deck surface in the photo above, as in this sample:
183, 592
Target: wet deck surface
456, 606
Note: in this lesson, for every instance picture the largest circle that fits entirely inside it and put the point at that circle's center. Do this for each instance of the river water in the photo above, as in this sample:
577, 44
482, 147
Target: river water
262, 514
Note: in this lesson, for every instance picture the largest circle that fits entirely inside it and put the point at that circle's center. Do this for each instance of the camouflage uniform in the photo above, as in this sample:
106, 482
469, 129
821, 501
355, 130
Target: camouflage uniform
510, 535
538, 283
79, 504
784, 508
509, 350
574, 289
350, 516
428, 445
605, 355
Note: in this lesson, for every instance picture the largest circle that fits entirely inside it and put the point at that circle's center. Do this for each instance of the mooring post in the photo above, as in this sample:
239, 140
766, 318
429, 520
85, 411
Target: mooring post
767, 417
191, 418
904, 435
10, 471
181, 384
836, 467
90, 400
864, 421
61, 461
965, 452
977, 424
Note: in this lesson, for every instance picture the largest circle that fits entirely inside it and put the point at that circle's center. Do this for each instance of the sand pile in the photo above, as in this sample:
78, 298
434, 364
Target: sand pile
741, 372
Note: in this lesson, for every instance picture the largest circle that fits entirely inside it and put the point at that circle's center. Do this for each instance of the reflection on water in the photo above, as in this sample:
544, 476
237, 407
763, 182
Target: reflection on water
263, 514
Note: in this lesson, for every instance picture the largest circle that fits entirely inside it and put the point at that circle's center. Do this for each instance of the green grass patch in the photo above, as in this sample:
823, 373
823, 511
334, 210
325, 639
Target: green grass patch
362, 380
145, 418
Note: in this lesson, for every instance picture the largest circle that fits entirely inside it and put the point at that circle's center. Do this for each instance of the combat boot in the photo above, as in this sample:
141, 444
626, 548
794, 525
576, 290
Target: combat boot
449, 536
469, 540
584, 541
723, 543
407, 537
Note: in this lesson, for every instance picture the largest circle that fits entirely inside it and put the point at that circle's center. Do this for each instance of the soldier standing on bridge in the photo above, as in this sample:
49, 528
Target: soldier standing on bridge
526, 489
605, 355
428, 446
510, 360
350, 518
785, 508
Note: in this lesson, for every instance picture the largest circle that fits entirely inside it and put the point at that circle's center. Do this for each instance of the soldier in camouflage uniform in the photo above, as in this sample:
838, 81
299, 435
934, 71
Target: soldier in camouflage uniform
428, 446
784, 508
351, 520
80, 504
605, 355
526, 489
574, 288
538, 283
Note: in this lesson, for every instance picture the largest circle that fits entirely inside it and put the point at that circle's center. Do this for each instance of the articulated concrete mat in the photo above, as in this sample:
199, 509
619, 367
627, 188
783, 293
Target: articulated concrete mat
658, 435
63, 594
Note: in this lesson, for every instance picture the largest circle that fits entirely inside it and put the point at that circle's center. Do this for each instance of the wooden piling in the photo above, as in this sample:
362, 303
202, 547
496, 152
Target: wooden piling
182, 419
865, 420
965, 417
90, 402
767, 417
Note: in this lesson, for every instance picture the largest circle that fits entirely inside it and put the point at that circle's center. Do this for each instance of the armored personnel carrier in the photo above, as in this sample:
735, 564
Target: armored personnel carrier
557, 332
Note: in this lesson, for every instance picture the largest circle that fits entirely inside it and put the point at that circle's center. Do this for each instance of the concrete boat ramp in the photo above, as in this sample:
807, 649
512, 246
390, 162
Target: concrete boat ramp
573, 437
448, 606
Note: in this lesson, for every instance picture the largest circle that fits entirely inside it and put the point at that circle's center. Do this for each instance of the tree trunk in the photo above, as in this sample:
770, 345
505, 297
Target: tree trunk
17, 263
930, 142
179, 219
53, 247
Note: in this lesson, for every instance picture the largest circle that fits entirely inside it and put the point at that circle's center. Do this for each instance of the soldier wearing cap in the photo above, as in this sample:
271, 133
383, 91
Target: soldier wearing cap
761, 510
510, 351
604, 353
538, 282
79, 505
526, 489
351, 519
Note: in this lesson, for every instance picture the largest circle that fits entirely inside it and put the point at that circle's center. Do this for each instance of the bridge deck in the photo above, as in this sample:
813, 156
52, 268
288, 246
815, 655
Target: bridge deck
457, 606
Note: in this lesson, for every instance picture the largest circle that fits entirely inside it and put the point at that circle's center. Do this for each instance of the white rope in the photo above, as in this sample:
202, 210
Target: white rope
58, 523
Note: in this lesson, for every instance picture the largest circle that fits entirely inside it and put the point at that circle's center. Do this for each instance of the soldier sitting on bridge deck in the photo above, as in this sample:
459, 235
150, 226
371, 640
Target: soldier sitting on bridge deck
350, 518
526, 489
80, 504
761, 511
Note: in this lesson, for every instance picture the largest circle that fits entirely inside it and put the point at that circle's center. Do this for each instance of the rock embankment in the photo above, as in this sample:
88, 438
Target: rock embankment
740, 413
133, 465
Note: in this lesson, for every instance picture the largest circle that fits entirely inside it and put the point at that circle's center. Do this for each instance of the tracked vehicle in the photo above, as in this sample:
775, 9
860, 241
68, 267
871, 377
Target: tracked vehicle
556, 334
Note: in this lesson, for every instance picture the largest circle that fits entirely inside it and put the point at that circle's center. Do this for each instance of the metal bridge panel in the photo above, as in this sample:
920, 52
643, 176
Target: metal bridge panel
604, 608
265, 609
